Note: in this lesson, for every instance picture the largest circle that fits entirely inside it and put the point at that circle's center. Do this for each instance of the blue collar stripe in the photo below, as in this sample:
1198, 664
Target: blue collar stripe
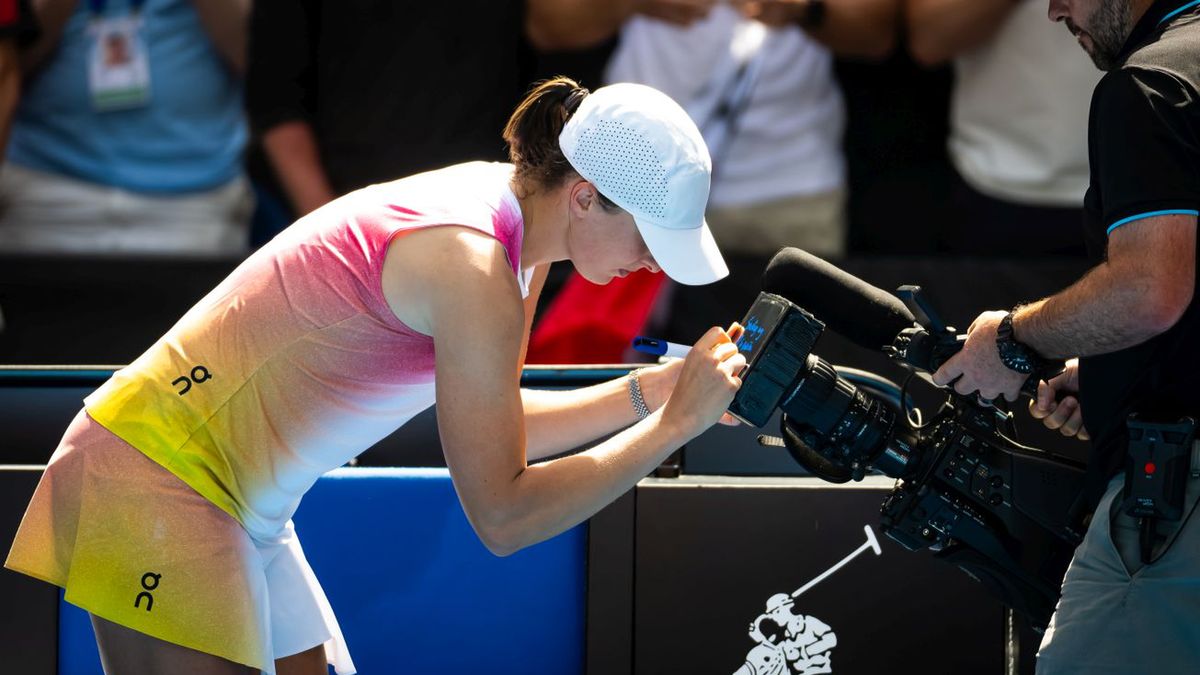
1170, 16
1152, 214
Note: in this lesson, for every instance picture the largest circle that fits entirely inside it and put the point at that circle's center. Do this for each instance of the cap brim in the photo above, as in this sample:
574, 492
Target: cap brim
690, 257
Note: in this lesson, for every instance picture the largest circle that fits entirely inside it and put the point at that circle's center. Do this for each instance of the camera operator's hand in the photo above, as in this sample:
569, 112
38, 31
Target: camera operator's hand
708, 380
978, 367
1065, 414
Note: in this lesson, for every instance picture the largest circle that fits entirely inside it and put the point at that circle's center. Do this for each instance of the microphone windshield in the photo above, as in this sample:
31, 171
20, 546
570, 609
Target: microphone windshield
867, 316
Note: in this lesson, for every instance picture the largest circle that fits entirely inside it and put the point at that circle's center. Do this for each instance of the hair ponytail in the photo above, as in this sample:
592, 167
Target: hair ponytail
532, 131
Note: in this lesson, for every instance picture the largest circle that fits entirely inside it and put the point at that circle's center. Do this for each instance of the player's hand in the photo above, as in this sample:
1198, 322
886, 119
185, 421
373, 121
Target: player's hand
659, 381
977, 367
708, 380
678, 12
1063, 414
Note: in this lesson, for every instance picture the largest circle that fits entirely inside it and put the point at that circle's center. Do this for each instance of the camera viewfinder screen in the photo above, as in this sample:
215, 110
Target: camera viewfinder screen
760, 323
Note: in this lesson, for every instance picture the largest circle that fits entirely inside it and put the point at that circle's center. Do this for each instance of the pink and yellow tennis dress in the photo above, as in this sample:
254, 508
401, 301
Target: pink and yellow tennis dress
290, 367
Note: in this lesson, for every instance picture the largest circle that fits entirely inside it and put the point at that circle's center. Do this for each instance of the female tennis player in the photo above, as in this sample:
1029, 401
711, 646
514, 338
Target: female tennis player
166, 510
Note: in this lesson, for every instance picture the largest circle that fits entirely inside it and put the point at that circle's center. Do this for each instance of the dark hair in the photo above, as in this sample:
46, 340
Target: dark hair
532, 131
532, 134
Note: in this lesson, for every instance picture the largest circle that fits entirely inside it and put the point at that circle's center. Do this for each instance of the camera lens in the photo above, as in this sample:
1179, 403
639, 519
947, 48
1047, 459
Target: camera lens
849, 429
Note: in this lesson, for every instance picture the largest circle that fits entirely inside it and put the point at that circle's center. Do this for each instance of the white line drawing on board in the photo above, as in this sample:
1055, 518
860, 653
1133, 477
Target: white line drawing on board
791, 643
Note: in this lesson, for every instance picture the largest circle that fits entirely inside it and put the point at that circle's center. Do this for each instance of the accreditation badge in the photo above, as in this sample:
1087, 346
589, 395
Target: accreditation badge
118, 64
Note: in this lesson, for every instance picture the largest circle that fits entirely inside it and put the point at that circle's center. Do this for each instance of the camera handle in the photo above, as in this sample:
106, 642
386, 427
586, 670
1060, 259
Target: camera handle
929, 348
922, 309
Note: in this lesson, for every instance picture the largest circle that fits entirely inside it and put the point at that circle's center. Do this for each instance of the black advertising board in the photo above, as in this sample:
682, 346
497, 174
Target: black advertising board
778, 576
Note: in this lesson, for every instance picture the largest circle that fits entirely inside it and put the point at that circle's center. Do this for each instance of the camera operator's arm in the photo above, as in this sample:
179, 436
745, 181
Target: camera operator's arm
1139, 292
1144, 171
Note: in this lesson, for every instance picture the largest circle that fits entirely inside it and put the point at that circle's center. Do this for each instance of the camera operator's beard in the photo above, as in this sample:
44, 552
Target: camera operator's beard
1108, 28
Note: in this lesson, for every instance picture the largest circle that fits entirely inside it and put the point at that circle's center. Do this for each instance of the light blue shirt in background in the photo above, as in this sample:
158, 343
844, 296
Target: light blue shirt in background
188, 139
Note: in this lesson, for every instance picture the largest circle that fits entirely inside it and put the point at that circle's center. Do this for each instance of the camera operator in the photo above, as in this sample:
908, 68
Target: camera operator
1127, 606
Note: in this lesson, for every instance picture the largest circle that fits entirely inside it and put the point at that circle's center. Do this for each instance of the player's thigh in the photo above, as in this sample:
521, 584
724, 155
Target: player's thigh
124, 650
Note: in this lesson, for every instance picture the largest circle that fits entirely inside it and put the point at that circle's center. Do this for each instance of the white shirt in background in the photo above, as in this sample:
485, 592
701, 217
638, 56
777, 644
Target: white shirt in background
788, 137
1019, 112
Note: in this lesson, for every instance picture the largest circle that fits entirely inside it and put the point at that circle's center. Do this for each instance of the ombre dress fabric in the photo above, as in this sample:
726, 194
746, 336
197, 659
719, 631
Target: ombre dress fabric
290, 367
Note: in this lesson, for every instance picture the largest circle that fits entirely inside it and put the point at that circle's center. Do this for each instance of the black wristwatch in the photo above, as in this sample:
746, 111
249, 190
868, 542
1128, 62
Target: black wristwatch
814, 15
1014, 355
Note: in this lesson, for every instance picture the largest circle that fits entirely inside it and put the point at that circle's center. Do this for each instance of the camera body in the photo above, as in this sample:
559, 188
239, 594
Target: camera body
997, 509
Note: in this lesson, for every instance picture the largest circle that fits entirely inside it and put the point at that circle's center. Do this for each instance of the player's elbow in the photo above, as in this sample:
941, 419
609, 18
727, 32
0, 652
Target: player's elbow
499, 530
499, 542
505, 515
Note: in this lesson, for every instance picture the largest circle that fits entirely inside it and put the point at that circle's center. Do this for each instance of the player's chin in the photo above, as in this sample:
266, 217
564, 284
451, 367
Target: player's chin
603, 278
592, 276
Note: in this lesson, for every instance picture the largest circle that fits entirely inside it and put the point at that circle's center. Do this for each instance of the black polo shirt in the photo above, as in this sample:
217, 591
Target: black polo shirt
1144, 147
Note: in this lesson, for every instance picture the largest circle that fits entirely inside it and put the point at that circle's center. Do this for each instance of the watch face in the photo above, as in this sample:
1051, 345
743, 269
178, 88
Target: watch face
1022, 366
1014, 357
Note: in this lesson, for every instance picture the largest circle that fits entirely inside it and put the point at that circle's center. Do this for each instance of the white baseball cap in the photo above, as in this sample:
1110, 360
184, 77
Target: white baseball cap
643, 152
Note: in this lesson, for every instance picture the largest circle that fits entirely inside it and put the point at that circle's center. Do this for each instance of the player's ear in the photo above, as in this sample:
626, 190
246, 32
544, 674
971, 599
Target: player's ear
581, 199
583, 195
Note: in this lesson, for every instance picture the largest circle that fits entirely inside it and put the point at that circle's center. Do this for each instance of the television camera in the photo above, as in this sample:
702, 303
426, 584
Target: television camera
965, 489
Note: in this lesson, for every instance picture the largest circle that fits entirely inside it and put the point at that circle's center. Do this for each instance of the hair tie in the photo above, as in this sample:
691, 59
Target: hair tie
573, 99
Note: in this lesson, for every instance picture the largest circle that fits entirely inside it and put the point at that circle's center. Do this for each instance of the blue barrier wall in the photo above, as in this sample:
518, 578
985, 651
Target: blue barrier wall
414, 590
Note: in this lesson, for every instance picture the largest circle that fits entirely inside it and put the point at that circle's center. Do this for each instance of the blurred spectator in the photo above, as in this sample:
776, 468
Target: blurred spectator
343, 95
1017, 138
17, 29
129, 134
757, 78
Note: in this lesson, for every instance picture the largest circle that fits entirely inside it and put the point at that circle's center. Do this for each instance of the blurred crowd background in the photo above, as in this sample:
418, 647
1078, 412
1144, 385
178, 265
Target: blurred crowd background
149, 145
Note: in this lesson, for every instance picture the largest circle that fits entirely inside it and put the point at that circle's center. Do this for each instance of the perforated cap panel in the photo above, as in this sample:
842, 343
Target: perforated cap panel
624, 166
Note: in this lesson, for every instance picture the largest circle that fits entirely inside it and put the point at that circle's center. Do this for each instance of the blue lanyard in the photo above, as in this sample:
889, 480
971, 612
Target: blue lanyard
97, 6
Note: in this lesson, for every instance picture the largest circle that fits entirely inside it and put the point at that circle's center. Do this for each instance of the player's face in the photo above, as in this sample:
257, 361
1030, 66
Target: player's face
1100, 26
603, 243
